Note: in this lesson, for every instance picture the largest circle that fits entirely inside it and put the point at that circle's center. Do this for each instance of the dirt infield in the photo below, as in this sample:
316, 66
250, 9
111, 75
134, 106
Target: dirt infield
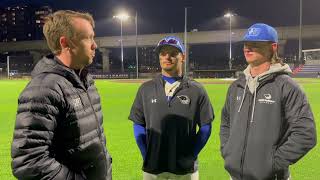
130, 80
144, 80
211, 81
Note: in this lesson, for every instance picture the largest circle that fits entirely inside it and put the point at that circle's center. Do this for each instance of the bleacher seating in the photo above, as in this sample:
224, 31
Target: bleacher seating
306, 71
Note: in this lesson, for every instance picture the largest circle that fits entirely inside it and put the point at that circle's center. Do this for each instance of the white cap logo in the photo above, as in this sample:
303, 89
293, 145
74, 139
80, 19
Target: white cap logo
254, 31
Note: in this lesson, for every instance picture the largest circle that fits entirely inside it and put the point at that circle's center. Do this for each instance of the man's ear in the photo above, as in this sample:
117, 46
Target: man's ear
274, 47
183, 56
63, 42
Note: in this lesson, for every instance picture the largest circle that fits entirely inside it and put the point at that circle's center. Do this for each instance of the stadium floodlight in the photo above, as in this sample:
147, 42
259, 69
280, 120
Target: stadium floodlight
230, 15
123, 16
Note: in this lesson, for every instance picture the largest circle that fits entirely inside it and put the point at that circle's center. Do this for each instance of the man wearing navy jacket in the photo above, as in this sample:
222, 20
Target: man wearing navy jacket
166, 113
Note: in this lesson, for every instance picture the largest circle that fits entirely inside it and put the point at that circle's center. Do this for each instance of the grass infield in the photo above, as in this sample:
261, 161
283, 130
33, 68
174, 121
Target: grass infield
117, 98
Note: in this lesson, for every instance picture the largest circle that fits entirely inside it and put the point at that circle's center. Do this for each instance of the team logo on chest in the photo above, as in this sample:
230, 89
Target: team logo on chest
184, 99
267, 99
76, 102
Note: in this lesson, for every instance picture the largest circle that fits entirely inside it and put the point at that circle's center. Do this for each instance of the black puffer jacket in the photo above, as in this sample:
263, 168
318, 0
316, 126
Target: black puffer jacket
58, 132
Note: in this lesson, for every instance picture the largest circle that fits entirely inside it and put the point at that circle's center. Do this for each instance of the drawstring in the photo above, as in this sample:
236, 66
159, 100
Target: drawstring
254, 103
254, 99
244, 94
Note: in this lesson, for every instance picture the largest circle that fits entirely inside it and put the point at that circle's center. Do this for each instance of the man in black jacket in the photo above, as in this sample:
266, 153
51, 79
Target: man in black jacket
266, 122
58, 132
166, 113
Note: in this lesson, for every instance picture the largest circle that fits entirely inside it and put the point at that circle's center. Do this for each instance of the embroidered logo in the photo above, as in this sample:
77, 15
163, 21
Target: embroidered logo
76, 102
153, 101
267, 99
184, 99
254, 31
267, 96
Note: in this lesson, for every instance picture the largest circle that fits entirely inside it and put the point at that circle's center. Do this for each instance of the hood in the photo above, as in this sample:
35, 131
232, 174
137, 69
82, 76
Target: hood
51, 64
253, 82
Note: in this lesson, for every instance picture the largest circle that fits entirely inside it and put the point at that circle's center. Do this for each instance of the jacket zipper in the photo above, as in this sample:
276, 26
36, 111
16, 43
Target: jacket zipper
245, 142
98, 124
174, 94
248, 129
96, 117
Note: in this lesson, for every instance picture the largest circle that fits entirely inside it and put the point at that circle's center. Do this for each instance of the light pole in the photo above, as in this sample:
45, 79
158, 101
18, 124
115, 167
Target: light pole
185, 42
230, 15
300, 32
122, 17
8, 66
137, 53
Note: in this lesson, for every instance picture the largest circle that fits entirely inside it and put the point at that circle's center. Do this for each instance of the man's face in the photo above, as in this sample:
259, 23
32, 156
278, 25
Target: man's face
83, 44
171, 59
257, 53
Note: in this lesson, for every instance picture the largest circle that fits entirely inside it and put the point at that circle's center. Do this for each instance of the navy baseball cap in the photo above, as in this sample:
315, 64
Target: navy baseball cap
170, 41
261, 32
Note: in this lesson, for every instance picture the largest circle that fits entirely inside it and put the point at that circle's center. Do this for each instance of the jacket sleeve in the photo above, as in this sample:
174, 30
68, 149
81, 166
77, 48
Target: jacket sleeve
225, 122
301, 127
137, 113
38, 110
205, 112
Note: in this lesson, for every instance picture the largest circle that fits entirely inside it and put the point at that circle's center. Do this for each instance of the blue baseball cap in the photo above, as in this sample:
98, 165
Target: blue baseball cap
261, 32
170, 41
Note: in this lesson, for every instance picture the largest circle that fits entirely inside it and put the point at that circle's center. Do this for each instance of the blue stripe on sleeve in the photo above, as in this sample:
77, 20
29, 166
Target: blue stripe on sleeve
202, 138
140, 136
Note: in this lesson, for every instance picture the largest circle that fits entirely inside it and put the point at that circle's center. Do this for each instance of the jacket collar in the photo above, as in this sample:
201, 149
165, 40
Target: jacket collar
242, 79
184, 80
52, 64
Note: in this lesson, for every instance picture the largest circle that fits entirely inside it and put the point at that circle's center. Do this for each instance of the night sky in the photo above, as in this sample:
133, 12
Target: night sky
157, 16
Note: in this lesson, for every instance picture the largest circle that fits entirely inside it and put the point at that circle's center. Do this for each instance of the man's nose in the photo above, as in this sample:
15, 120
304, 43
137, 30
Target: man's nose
94, 45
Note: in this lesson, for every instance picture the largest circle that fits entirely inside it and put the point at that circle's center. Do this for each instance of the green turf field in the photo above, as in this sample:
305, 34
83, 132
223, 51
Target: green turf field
116, 102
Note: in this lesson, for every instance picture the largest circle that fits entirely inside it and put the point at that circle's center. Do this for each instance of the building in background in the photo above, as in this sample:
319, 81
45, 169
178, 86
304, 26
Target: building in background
39, 17
22, 22
148, 60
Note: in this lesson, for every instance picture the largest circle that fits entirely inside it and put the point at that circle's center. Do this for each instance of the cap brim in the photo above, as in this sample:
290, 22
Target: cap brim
158, 48
254, 40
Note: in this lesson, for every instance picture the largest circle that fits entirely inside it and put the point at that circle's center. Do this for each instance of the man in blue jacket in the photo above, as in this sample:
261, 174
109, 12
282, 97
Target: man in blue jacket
266, 122
166, 113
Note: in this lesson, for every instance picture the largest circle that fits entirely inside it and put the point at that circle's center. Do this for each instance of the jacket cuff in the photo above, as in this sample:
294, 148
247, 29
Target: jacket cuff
279, 164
